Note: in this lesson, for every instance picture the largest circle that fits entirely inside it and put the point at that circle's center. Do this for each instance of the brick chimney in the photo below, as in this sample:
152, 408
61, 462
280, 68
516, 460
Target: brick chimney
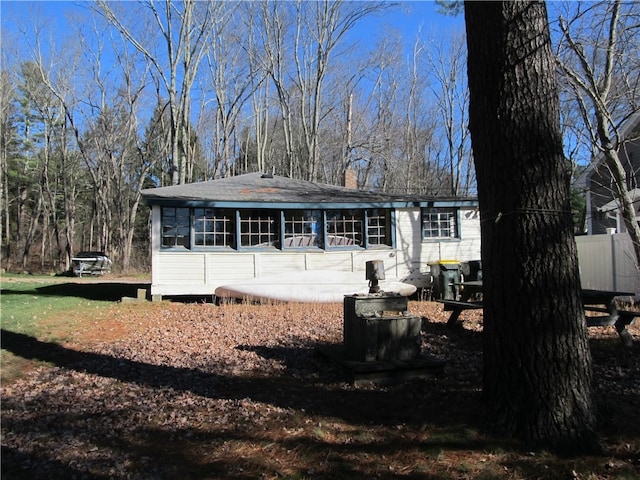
350, 178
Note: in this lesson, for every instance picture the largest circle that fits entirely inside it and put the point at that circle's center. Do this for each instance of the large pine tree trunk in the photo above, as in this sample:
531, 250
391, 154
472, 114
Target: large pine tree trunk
537, 364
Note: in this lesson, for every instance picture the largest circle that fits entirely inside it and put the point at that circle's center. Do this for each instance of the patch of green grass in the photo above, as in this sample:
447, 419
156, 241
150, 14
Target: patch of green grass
28, 307
48, 308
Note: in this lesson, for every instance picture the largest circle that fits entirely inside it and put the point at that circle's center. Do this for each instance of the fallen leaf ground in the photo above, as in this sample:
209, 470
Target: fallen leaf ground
197, 391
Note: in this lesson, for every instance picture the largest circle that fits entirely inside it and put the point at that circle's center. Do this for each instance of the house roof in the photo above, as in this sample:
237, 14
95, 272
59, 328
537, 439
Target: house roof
253, 190
614, 205
626, 130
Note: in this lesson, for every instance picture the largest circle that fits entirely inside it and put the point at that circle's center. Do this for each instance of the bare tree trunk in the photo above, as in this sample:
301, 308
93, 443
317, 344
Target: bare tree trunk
273, 62
50, 210
261, 124
537, 363
30, 236
5, 224
7, 131
70, 198
234, 79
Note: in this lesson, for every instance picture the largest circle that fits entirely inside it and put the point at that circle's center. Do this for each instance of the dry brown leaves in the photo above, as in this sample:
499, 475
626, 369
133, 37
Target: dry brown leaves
180, 391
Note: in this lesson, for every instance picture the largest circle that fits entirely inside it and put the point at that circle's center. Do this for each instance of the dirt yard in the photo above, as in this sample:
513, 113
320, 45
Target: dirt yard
198, 391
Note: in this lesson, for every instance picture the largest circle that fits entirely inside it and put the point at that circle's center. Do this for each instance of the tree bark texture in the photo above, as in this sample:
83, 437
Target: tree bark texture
537, 363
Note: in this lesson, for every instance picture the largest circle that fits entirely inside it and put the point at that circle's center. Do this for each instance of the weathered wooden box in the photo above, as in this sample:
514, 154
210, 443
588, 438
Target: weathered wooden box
379, 328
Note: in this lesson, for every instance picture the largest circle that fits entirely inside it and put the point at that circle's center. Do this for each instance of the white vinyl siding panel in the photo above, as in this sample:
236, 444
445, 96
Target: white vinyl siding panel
181, 268
229, 267
276, 263
330, 261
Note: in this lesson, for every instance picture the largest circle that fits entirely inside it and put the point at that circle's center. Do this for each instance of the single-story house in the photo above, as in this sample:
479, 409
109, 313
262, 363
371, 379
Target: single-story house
208, 234
603, 211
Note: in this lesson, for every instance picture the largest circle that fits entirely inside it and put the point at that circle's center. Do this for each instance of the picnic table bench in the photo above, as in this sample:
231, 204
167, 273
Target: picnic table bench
597, 301
456, 307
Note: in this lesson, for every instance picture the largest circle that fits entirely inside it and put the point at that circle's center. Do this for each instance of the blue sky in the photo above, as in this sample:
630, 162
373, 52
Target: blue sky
58, 22
408, 18
412, 15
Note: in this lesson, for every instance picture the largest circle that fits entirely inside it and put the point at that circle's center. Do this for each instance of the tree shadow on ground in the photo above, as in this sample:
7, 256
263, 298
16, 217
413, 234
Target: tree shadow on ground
101, 291
449, 406
300, 394
17, 465
299, 391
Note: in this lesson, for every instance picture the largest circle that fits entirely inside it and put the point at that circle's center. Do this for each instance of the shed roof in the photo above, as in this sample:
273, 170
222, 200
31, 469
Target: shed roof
256, 189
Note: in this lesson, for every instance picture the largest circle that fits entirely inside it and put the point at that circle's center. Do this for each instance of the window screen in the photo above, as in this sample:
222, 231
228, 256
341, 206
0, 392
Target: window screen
303, 228
344, 228
175, 227
259, 228
213, 227
439, 223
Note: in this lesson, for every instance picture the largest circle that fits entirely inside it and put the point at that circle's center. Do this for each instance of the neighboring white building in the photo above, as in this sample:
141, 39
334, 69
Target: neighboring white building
209, 234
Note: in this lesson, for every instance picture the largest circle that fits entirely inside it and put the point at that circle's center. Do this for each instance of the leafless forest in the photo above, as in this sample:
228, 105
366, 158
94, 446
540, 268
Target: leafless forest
136, 95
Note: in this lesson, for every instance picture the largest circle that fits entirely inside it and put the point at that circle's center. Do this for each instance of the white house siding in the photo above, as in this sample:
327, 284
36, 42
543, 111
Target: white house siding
189, 273
469, 247
200, 273
181, 269
233, 266
278, 262
335, 260
409, 247
418, 254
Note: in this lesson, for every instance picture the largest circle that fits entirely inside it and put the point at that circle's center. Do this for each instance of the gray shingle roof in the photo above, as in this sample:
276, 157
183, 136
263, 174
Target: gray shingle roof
258, 188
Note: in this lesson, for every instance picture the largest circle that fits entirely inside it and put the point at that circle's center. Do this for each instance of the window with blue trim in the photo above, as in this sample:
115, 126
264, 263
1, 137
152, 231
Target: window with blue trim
176, 227
344, 228
440, 223
259, 228
213, 227
378, 227
303, 228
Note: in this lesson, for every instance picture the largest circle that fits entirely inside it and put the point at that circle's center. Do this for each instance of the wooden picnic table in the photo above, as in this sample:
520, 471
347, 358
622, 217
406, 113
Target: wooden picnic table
604, 301
600, 301
456, 307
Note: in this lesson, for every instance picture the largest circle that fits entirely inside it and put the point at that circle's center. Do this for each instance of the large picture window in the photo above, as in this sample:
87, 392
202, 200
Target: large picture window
439, 223
175, 227
213, 227
303, 228
259, 228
